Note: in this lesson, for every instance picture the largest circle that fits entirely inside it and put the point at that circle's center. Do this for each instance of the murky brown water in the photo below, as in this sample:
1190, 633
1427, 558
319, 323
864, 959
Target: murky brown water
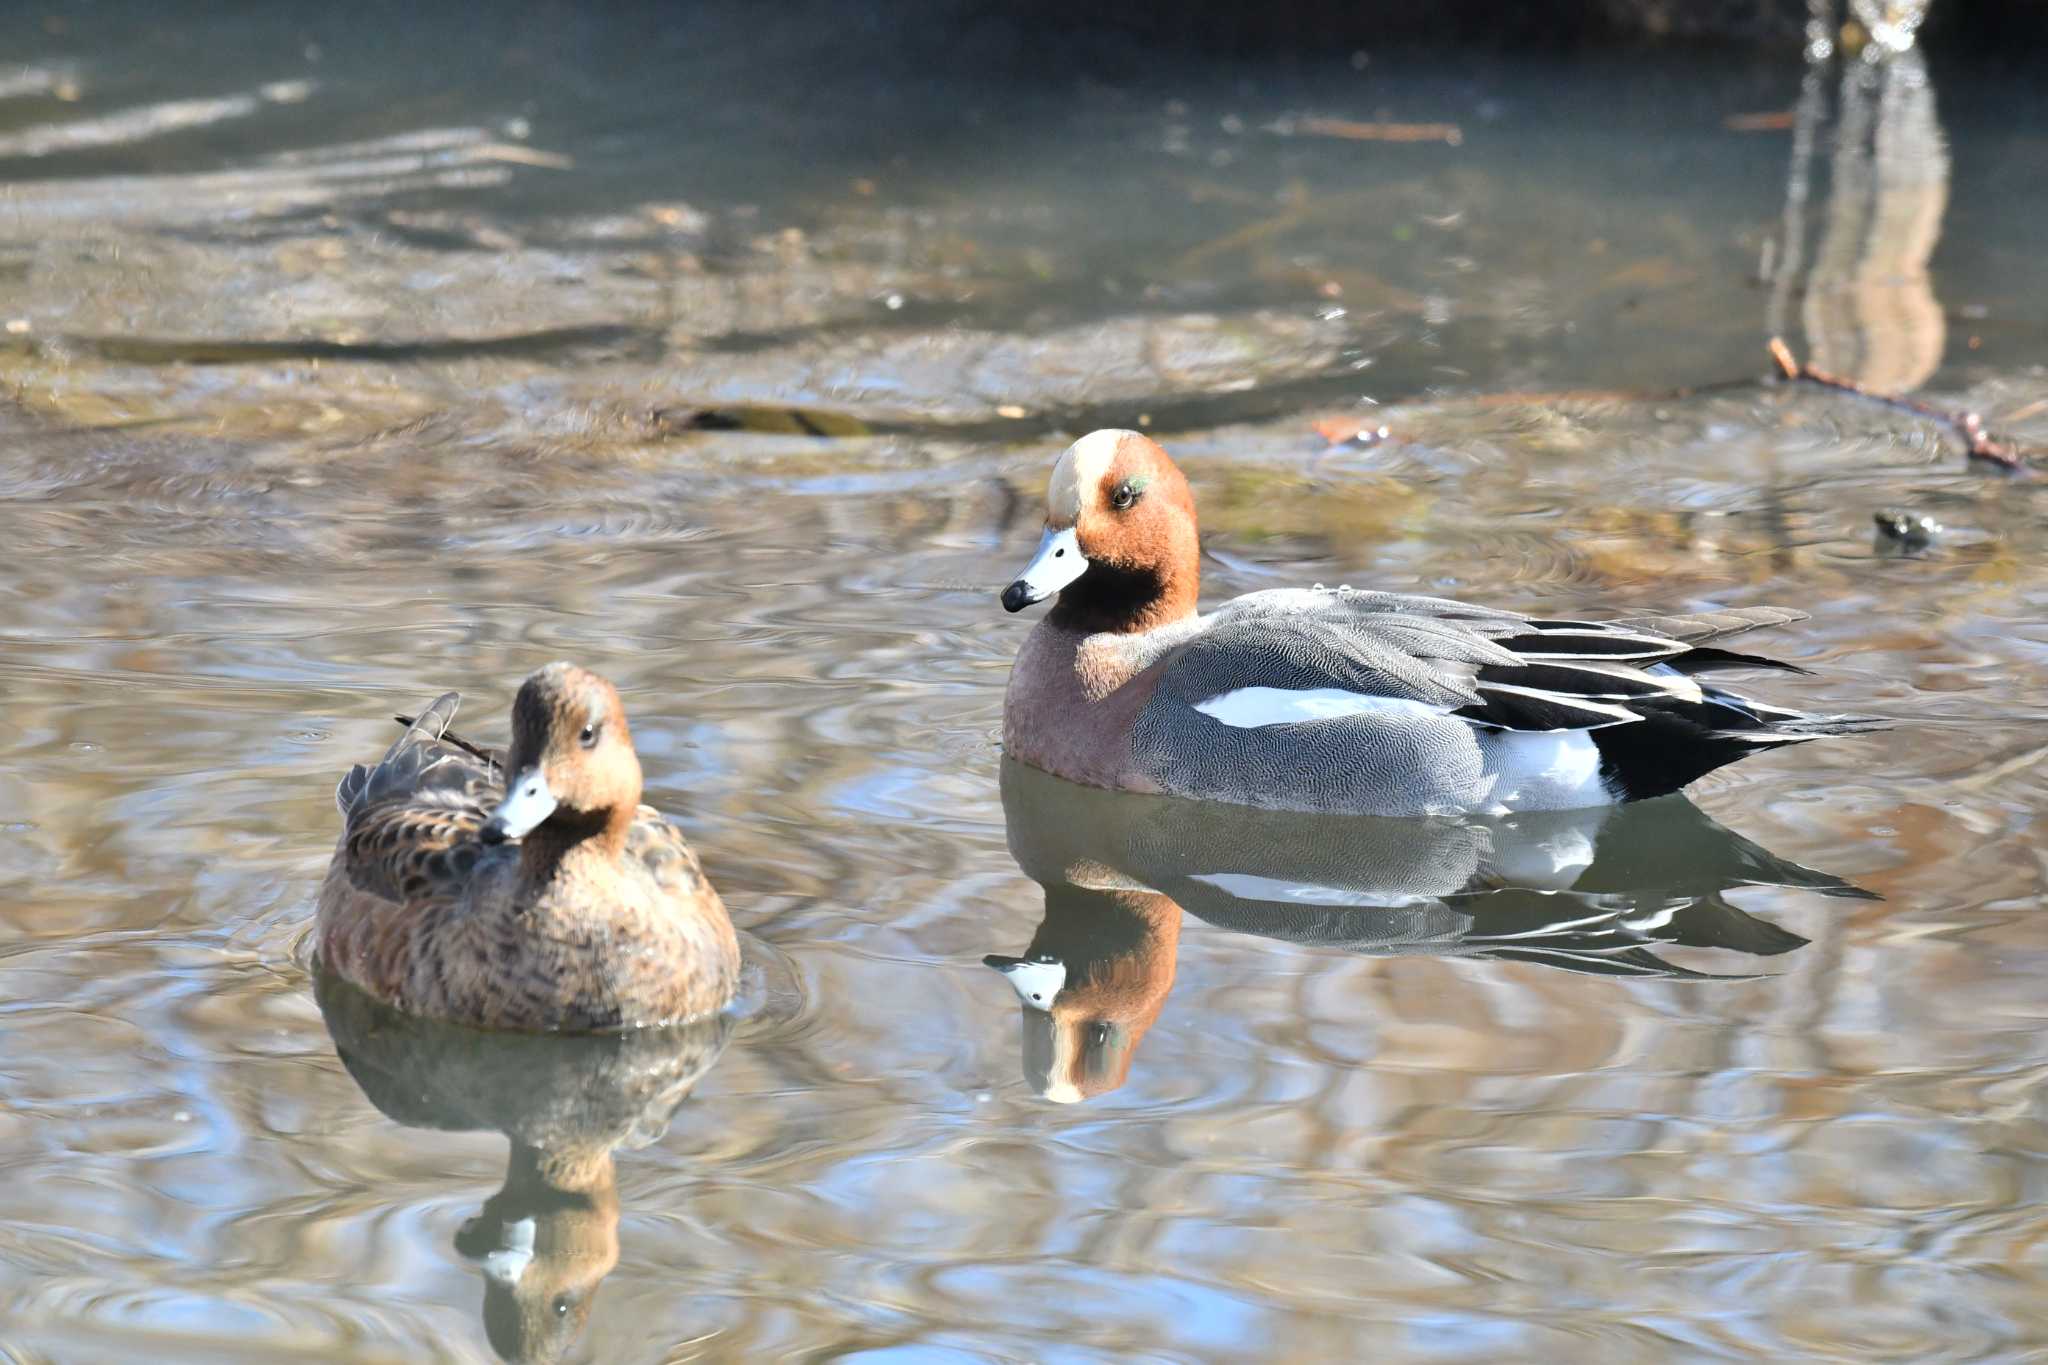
273, 472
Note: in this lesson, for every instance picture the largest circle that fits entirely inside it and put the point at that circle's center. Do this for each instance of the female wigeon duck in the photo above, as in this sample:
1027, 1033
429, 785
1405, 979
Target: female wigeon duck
1330, 699
598, 917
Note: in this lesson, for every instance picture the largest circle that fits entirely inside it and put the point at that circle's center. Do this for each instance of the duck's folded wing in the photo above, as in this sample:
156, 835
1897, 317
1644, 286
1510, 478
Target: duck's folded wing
404, 764
1294, 655
411, 819
1697, 628
1317, 653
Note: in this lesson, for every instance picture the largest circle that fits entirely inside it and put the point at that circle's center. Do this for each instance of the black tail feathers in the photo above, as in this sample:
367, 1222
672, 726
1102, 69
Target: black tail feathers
1676, 743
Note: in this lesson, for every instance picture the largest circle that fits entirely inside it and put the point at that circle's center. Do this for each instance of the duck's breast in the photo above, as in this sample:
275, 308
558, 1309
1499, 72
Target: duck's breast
1072, 705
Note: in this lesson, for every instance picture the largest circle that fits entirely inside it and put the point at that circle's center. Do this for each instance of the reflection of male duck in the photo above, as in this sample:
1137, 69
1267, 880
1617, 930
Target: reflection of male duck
1588, 890
548, 1237
1093, 979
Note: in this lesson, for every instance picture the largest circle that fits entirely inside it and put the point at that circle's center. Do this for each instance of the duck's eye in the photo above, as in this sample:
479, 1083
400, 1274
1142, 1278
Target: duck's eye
1098, 1033
1126, 493
562, 1305
588, 739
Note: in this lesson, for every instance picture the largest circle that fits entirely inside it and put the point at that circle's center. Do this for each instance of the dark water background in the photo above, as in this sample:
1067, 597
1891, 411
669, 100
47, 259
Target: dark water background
350, 356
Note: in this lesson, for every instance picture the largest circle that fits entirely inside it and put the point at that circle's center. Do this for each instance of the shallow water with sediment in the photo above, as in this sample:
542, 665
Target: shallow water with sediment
328, 388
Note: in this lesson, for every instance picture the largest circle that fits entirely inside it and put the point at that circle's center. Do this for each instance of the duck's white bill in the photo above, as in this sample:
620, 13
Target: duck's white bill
1058, 562
527, 802
1036, 980
506, 1264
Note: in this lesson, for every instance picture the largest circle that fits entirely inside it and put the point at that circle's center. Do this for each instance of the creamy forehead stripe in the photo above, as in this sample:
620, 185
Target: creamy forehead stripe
1081, 466
1067, 1059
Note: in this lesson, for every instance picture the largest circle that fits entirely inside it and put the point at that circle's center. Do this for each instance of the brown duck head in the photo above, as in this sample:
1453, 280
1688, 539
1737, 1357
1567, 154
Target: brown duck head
572, 773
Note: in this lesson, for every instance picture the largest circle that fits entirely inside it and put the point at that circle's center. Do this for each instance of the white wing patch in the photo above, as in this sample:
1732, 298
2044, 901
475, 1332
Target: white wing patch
1529, 769
1249, 886
1248, 708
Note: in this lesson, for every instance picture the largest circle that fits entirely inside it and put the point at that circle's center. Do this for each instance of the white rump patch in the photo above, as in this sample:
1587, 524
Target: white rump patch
1548, 864
1247, 708
1545, 770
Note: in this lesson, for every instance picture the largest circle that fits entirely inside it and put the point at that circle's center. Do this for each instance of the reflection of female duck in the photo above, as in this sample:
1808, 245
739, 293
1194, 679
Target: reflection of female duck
544, 1241
1589, 891
547, 1238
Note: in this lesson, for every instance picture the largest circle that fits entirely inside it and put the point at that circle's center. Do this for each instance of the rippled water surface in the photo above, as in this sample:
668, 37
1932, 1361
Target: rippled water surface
329, 386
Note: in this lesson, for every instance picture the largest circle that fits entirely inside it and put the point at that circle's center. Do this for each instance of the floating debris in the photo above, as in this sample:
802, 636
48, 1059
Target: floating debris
127, 126
1350, 431
1901, 528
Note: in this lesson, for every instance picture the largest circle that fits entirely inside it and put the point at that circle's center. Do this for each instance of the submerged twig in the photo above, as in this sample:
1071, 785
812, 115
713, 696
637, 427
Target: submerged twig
1352, 130
1977, 442
1776, 121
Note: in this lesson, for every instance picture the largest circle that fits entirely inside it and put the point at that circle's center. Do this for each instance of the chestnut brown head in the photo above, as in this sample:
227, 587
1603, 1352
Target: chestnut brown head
1092, 984
572, 761
1120, 544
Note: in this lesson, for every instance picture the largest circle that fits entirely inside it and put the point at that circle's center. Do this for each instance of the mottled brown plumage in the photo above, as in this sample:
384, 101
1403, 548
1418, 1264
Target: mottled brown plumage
598, 917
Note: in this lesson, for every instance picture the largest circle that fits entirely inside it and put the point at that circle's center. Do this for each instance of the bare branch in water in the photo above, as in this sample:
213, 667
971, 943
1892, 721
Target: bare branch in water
1977, 442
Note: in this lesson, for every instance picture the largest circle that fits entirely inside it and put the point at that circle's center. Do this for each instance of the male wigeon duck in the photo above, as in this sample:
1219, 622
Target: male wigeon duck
597, 917
1334, 699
